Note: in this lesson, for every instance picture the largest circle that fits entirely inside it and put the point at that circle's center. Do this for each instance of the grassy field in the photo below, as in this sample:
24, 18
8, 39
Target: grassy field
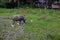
45, 24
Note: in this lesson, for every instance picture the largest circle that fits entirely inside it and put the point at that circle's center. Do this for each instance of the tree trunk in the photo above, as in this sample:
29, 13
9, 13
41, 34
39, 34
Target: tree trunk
31, 3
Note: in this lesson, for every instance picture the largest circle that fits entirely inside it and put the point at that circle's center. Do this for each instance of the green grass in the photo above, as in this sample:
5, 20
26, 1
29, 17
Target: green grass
45, 25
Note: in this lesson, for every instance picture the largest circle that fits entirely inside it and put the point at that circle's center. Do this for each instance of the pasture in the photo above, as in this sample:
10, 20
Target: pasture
45, 24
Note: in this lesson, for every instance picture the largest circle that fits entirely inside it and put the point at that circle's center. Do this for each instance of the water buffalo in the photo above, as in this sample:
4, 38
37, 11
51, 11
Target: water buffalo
18, 18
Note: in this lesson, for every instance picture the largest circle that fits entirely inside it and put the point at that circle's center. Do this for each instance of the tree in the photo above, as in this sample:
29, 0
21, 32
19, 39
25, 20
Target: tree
2, 2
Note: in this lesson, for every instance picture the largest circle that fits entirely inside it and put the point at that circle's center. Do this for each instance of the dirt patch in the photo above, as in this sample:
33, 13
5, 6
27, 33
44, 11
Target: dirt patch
9, 33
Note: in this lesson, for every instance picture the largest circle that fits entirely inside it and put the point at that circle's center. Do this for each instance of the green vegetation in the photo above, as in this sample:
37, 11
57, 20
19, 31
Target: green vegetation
24, 3
45, 23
